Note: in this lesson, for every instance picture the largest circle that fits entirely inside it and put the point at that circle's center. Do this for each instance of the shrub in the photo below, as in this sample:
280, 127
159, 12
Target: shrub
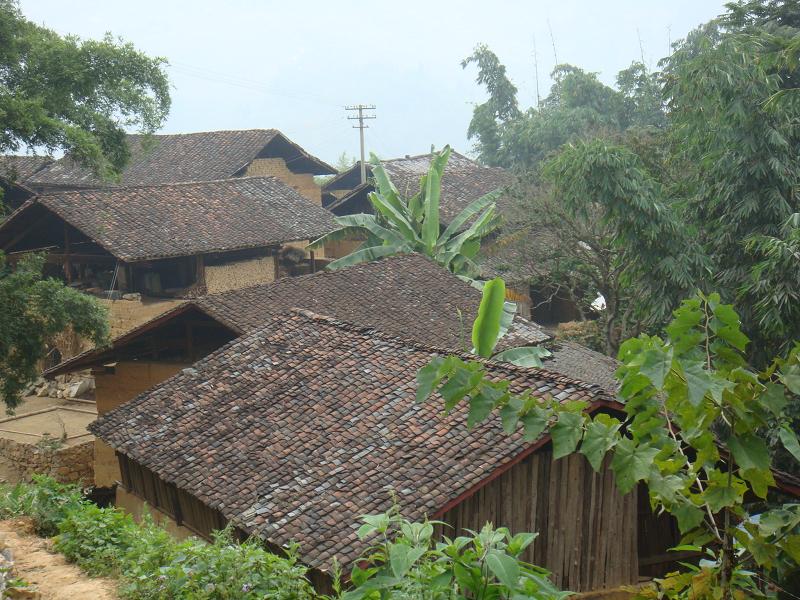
221, 570
45, 501
96, 538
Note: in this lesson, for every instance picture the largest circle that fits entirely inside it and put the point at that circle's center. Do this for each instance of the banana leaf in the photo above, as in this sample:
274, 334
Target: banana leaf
366, 255
384, 184
524, 356
433, 190
358, 224
394, 216
472, 209
486, 328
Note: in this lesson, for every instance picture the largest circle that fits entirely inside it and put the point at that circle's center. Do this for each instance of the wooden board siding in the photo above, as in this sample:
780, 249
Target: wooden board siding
184, 509
587, 529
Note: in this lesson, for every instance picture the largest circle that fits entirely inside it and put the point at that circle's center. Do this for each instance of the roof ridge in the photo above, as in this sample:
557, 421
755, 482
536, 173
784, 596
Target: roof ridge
122, 188
267, 129
543, 373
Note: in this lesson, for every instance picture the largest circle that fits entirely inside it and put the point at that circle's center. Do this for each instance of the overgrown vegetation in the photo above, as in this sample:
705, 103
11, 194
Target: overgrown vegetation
34, 310
694, 415
404, 560
670, 181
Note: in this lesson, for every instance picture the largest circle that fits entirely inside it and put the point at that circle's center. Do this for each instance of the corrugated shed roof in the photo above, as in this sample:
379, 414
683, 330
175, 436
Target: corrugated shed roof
150, 222
296, 429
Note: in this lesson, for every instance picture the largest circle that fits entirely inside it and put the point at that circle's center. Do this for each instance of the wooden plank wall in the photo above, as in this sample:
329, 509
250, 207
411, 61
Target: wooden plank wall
587, 529
183, 508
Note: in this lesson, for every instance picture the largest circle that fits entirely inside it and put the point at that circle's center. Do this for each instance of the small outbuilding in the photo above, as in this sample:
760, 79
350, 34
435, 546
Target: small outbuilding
294, 430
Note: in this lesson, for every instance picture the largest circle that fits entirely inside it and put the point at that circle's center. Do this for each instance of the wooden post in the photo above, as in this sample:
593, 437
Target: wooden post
200, 270
67, 265
313, 262
189, 341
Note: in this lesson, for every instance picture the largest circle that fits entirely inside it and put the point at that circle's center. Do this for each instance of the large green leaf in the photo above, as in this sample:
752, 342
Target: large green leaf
399, 218
749, 451
384, 184
524, 356
486, 328
566, 434
789, 441
370, 223
504, 567
631, 463
433, 191
366, 255
656, 364
472, 209
600, 437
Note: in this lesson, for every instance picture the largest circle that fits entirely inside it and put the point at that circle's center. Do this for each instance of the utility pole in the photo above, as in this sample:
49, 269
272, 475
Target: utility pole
361, 127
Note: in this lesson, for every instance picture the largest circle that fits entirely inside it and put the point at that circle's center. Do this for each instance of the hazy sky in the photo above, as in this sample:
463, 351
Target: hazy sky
240, 64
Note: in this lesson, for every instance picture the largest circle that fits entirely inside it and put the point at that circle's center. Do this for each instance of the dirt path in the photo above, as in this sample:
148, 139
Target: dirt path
49, 572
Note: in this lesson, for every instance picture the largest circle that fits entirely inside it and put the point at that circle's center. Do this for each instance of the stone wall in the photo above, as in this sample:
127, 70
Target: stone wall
239, 274
128, 380
276, 167
72, 464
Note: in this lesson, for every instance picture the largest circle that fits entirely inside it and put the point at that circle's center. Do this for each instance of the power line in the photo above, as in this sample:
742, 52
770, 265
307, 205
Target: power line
361, 127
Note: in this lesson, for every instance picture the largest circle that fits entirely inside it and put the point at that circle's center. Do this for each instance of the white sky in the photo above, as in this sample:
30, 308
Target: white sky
238, 64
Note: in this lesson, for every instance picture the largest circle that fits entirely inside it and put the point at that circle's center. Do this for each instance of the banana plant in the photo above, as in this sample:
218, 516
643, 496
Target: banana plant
495, 316
401, 225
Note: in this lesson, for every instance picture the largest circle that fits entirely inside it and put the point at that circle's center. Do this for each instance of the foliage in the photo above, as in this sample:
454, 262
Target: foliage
45, 501
731, 86
77, 95
578, 107
401, 225
406, 563
611, 223
35, 309
220, 570
693, 412
95, 538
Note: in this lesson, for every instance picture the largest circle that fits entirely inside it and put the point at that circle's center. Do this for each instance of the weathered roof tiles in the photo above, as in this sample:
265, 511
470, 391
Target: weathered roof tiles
148, 222
296, 429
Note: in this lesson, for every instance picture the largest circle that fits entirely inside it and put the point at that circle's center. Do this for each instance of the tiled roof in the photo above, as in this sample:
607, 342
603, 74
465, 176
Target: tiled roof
297, 429
148, 222
18, 169
409, 296
583, 364
463, 181
173, 158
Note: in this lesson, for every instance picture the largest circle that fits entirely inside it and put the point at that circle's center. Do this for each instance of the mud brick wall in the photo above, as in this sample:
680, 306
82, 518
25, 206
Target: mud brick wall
276, 167
239, 274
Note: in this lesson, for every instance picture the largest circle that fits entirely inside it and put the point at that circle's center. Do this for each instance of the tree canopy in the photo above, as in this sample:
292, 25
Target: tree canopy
64, 93
35, 310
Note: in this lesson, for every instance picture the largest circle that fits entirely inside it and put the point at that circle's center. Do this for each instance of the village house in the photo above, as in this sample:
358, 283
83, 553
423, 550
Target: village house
463, 182
203, 156
407, 296
168, 240
296, 429
14, 173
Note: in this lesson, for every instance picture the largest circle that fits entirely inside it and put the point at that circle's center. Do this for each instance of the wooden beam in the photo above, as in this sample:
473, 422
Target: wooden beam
60, 258
17, 238
67, 265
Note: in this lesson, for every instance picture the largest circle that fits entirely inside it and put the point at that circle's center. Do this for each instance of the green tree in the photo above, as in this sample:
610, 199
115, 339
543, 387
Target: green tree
34, 310
600, 223
401, 225
733, 109
75, 95
694, 410
579, 106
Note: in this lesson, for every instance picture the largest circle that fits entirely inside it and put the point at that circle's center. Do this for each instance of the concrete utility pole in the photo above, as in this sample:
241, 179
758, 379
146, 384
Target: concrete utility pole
361, 127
